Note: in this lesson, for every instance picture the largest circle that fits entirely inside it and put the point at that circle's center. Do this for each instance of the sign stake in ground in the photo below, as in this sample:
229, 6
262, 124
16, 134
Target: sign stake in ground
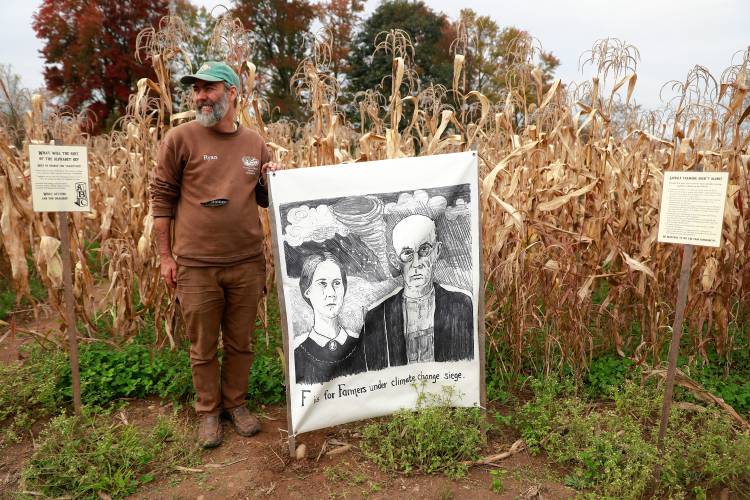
70, 316
691, 214
60, 183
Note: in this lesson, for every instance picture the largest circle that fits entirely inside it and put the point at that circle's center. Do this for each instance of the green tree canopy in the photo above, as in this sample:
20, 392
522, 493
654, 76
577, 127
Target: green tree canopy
280, 28
200, 24
430, 35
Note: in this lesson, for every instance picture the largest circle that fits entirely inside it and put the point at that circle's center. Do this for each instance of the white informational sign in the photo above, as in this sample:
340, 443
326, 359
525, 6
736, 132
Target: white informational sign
380, 269
59, 178
692, 208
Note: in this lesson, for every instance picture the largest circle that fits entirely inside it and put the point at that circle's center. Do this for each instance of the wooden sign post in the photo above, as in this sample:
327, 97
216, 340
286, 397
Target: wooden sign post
691, 213
60, 183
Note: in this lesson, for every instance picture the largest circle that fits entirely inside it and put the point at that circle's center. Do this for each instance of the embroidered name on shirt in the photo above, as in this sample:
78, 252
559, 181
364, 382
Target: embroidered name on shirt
210, 157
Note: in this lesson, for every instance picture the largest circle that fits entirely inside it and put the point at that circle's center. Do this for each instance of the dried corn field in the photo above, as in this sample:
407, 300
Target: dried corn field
571, 178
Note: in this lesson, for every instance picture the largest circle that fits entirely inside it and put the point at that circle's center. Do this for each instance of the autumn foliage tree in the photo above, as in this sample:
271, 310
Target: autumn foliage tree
340, 18
89, 48
496, 58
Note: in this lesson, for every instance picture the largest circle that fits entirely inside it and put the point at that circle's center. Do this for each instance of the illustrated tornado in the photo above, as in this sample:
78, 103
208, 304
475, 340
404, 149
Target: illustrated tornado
363, 215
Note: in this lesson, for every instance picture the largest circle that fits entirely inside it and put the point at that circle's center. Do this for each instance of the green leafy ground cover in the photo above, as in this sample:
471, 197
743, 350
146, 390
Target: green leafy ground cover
88, 455
611, 449
82, 457
434, 438
138, 370
600, 426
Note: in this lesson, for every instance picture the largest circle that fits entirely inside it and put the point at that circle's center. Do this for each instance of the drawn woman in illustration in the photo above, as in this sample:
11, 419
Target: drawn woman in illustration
328, 350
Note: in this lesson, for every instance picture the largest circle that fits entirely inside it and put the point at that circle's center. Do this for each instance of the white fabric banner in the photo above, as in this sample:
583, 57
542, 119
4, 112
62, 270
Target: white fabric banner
380, 269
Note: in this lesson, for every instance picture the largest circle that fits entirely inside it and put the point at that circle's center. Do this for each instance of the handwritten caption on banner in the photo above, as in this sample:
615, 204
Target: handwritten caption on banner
343, 390
59, 178
692, 208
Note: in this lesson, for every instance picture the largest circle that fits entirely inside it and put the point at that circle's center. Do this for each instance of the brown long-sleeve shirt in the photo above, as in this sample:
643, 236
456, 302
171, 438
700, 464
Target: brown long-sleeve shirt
208, 182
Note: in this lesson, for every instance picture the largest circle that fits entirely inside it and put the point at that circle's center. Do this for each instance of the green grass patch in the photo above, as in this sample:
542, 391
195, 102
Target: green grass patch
434, 438
8, 297
266, 382
28, 392
83, 457
611, 449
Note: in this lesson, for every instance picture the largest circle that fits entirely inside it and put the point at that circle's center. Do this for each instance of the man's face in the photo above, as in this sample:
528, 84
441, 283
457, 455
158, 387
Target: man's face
211, 102
417, 249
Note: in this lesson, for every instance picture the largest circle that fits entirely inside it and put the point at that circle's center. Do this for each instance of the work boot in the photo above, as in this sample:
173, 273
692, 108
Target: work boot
209, 432
244, 423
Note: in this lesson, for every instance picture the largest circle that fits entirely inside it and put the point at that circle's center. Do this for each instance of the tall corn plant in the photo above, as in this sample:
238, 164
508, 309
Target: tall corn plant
571, 176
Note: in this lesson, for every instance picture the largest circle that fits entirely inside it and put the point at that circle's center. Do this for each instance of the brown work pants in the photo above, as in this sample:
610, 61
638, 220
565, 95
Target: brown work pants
226, 297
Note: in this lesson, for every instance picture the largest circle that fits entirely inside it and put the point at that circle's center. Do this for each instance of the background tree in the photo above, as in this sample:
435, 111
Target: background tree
497, 58
281, 29
340, 18
431, 34
521, 55
89, 48
14, 101
477, 41
200, 24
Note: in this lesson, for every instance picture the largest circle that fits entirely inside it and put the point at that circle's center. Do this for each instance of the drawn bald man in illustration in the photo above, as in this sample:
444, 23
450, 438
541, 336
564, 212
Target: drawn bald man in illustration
422, 321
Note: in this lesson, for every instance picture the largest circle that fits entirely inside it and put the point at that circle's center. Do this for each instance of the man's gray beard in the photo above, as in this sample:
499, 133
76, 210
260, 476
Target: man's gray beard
218, 110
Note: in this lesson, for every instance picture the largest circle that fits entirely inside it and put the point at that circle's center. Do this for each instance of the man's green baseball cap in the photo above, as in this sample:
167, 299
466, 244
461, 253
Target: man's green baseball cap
213, 71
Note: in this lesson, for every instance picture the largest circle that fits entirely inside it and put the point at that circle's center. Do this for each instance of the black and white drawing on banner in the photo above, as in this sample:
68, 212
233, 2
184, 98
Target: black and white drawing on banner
382, 280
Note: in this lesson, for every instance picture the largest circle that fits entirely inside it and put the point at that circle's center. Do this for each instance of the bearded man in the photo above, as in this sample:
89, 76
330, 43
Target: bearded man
424, 321
209, 181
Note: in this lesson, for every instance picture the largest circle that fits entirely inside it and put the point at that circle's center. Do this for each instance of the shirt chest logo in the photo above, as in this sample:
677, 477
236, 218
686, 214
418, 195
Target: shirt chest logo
210, 157
250, 165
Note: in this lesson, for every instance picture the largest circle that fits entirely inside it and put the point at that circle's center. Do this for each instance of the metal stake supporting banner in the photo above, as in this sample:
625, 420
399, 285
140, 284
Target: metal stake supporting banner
282, 314
481, 326
70, 318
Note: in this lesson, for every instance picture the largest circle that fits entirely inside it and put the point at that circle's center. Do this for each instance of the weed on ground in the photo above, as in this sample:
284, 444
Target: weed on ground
83, 457
28, 392
433, 438
611, 449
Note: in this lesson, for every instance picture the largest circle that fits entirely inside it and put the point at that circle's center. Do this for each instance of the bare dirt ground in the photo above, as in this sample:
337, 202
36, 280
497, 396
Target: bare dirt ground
260, 467
245, 468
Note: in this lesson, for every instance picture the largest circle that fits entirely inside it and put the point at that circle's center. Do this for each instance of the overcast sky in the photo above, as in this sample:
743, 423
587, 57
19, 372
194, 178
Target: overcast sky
672, 35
